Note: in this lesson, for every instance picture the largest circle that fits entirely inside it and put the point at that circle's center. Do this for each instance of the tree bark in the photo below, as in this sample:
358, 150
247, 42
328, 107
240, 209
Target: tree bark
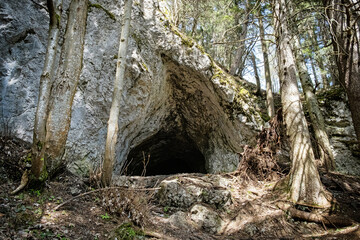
112, 131
313, 69
345, 32
257, 78
238, 63
316, 117
64, 87
264, 47
304, 182
319, 59
38, 167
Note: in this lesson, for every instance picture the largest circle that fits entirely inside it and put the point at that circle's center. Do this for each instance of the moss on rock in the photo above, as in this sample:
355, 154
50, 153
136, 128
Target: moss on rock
98, 6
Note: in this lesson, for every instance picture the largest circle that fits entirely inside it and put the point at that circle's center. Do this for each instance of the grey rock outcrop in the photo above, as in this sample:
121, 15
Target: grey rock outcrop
341, 131
174, 95
179, 108
183, 192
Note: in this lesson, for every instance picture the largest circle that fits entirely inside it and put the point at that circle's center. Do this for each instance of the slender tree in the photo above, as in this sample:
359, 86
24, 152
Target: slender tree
343, 18
264, 47
304, 180
112, 132
238, 63
316, 117
46, 80
257, 78
64, 87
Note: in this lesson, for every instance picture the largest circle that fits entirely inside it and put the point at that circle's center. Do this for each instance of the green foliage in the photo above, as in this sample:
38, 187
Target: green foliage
106, 216
35, 192
128, 232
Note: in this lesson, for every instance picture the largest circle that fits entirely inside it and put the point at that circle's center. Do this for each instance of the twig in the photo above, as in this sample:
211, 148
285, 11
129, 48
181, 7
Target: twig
157, 235
102, 189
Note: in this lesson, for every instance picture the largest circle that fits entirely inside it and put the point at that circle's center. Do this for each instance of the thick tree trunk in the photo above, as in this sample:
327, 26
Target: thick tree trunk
345, 30
264, 47
257, 78
64, 88
316, 117
38, 167
305, 185
112, 131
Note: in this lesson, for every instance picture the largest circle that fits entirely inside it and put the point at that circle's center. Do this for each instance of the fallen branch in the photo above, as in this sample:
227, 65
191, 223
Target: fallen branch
102, 189
157, 235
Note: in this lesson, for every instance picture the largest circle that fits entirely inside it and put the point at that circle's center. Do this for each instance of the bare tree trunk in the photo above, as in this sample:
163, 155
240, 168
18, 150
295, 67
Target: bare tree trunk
238, 63
313, 68
264, 47
38, 169
64, 87
318, 59
258, 86
345, 33
112, 131
316, 117
305, 185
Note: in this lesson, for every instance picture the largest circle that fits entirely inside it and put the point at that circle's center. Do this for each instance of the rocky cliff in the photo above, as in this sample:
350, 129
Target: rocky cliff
179, 109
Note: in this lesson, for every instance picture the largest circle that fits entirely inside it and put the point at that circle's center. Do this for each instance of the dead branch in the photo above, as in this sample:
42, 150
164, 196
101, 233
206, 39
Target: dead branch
102, 189
157, 235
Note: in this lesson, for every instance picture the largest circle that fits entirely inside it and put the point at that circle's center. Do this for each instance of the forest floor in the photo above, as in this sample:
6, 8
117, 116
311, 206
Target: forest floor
31, 213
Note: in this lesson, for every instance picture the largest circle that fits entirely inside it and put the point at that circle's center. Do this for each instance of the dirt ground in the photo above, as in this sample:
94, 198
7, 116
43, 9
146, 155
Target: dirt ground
30, 214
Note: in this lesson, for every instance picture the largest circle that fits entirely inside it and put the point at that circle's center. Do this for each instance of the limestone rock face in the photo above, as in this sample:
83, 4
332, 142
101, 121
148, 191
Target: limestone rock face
341, 131
206, 218
175, 96
183, 192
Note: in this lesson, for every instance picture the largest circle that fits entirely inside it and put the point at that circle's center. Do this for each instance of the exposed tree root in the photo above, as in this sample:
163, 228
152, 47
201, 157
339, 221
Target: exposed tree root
332, 221
23, 183
338, 232
259, 163
328, 220
99, 190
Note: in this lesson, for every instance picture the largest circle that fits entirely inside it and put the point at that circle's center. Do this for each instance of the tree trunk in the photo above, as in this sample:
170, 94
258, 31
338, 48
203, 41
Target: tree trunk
316, 117
344, 27
64, 87
112, 131
238, 63
319, 59
258, 84
38, 168
304, 182
313, 69
264, 47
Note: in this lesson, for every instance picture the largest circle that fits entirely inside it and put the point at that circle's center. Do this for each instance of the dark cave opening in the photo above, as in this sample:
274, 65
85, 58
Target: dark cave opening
165, 154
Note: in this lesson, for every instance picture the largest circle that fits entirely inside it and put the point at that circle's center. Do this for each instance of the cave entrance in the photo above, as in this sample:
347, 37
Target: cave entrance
164, 154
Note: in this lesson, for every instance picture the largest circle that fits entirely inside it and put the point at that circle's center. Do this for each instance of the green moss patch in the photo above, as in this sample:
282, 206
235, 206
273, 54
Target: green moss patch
127, 231
95, 5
